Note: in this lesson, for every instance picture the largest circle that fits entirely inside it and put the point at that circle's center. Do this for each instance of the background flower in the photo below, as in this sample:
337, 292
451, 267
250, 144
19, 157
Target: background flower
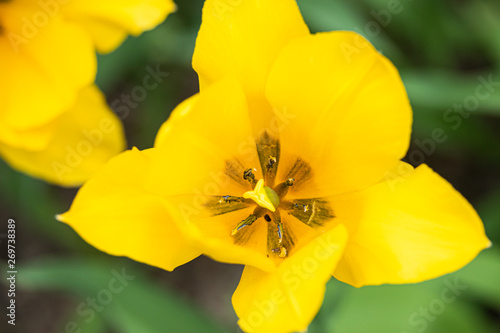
441, 49
51, 122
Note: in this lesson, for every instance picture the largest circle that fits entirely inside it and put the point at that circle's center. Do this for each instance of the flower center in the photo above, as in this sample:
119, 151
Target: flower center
270, 200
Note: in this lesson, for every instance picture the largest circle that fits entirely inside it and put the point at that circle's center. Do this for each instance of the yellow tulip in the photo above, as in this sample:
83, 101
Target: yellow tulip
287, 162
53, 123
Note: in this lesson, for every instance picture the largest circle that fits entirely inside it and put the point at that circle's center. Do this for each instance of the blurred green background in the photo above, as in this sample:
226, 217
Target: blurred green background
442, 49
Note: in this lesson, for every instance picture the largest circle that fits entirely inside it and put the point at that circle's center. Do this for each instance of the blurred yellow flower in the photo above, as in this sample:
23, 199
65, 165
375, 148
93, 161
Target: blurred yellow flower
287, 162
53, 123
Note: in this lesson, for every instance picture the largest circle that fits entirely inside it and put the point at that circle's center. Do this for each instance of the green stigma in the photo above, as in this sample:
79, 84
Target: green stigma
273, 196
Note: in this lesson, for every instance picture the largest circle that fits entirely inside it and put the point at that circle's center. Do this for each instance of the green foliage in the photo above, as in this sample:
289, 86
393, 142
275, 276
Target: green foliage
451, 303
126, 300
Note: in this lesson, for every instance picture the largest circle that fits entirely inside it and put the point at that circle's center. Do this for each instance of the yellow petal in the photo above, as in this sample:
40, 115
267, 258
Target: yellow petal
107, 37
31, 139
202, 152
180, 111
288, 299
114, 213
43, 70
412, 227
82, 140
201, 134
242, 39
109, 22
345, 114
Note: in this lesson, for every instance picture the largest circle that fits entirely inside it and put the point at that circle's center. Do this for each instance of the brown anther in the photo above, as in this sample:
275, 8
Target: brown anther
249, 176
270, 163
280, 251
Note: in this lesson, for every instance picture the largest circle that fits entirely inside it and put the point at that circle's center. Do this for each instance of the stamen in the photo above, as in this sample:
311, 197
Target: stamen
280, 231
279, 238
218, 205
249, 176
270, 162
233, 170
282, 188
268, 149
230, 198
313, 212
241, 234
300, 171
281, 252
245, 223
279, 225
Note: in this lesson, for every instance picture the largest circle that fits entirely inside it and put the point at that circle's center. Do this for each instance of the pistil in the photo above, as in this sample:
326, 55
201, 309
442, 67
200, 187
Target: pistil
263, 196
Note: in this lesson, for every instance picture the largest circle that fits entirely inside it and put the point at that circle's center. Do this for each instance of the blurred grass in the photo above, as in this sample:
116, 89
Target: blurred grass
402, 308
440, 48
141, 306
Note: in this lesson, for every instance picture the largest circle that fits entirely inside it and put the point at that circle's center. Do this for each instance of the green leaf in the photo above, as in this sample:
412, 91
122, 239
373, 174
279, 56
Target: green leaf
441, 90
114, 67
126, 299
34, 204
441, 305
483, 277
78, 324
487, 28
489, 210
